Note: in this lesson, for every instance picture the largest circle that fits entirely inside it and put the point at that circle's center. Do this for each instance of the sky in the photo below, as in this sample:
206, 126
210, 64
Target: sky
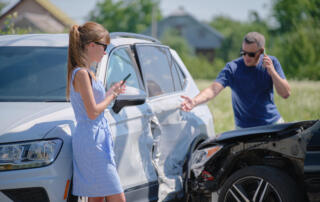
203, 10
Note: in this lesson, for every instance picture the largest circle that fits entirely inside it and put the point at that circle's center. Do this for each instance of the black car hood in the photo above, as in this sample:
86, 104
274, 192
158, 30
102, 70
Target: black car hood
253, 132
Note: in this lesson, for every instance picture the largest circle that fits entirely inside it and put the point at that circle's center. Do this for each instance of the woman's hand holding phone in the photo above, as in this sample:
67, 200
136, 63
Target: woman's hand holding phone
125, 78
118, 88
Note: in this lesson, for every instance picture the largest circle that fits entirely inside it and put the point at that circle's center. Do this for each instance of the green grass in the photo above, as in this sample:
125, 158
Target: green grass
303, 104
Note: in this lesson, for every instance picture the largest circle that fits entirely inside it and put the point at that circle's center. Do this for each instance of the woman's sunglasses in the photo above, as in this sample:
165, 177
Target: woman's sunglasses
250, 54
102, 44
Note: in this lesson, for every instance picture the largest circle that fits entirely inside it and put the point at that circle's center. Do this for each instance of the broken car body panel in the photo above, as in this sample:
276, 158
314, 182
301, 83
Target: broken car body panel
291, 147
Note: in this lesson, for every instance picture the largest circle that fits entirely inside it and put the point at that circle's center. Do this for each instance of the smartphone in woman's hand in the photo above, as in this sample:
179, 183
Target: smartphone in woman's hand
125, 78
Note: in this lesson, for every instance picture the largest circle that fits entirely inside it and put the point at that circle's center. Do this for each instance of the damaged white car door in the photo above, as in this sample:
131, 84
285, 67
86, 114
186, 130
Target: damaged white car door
131, 127
164, 81
152, 136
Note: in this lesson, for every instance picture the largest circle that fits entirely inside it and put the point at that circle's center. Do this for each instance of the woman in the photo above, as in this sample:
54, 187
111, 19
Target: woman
94, 170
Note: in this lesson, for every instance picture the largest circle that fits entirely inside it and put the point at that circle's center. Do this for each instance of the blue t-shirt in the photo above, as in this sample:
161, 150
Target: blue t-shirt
252, 92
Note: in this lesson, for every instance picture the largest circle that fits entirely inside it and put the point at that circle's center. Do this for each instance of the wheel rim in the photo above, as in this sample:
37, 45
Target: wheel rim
252, 189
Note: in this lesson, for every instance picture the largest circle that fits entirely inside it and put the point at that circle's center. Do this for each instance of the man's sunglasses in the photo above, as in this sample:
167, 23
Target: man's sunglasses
102, 44
250, 54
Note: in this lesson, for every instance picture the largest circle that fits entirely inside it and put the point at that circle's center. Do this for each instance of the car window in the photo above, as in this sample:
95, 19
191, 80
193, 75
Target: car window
156, 64
33, 73
122, 63
175, 76
182, 77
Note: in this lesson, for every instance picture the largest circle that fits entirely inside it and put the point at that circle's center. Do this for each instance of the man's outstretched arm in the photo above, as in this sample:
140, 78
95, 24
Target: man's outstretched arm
204, 96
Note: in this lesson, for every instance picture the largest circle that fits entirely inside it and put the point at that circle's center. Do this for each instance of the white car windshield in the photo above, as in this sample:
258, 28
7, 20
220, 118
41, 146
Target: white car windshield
34, 74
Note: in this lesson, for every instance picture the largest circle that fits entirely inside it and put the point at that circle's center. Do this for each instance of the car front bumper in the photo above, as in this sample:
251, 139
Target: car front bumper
37, 184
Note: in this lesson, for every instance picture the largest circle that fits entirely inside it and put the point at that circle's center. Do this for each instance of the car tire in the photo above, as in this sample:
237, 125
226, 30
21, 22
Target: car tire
260, 182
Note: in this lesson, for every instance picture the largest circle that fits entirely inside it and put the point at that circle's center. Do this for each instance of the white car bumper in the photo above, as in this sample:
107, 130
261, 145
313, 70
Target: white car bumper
42, 184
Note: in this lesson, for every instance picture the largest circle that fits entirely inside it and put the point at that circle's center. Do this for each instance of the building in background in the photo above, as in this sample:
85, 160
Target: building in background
202, 38
39, 16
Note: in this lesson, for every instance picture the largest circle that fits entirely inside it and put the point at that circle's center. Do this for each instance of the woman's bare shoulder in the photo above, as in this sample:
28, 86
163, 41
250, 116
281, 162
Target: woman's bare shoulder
81, 73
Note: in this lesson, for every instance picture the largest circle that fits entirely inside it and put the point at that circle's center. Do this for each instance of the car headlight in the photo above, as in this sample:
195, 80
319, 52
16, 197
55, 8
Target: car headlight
202, 156
28, 154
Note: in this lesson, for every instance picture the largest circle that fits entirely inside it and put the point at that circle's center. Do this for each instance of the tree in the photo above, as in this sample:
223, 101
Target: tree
297, 37
125, 16
291, 13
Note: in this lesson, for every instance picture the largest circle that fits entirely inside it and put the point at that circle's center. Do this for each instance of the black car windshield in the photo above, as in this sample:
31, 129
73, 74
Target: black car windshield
33, 74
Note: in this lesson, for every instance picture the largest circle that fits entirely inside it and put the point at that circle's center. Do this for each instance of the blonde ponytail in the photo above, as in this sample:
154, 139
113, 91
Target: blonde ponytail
79, 36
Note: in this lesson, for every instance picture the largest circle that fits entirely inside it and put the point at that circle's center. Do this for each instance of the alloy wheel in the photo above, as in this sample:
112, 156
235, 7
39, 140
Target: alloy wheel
252, 189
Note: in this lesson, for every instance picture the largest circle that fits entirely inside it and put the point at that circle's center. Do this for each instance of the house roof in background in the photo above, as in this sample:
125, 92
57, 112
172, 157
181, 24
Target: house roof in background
56, 12
197, 34
43, 23
52, 9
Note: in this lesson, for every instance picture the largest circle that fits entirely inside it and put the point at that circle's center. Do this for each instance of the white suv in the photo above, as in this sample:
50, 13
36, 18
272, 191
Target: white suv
152, 136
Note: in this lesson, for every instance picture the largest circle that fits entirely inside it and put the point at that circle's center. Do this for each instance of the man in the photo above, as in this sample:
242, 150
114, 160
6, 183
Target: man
251, 79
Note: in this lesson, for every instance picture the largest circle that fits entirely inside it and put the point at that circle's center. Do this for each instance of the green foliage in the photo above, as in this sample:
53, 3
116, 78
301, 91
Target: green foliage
300, 55
125, 16
172, 38
297, 38
290, 14
10, 28
198, 66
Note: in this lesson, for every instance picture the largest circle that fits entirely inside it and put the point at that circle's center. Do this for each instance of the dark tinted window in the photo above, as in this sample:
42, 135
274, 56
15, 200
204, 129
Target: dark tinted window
155, 62
33, 73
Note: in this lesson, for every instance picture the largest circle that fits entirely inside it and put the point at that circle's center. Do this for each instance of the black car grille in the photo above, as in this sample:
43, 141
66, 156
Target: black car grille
27, 194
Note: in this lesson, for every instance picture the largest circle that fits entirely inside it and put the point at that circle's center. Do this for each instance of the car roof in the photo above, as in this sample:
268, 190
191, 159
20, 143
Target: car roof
62, 40
55, 40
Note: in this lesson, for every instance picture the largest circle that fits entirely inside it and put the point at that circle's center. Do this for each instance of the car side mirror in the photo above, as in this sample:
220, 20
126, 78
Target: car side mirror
132, 96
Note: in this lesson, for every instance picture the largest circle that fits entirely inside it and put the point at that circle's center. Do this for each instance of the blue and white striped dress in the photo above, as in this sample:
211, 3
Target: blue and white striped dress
94, 168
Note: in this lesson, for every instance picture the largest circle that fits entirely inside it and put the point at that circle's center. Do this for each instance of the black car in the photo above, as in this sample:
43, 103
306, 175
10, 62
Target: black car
266, 163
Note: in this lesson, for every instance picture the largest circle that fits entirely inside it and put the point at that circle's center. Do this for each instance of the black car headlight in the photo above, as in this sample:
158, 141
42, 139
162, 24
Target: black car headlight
28, 154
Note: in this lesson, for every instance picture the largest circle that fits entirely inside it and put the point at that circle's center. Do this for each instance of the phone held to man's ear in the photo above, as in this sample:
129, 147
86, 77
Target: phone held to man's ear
264, 54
